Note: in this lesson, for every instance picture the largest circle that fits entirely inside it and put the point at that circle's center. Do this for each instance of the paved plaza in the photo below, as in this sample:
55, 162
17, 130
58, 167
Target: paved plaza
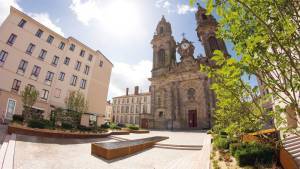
38, 152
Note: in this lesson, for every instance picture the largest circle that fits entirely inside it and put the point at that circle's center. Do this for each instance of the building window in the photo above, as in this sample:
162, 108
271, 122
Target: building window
86, 70
67, 61
61, 76
161, 57
191, 94
73, 80
213, 44
161, 114
22, 23
50, 39
36, 71
161, 29
22, 66
61, 45
42, 54
10, 109
82, 83
49, 76
204, 17
90, 57
57, 93
55, 60
77, 65
30, 48
44, 94
11, 40
16, 85
3, 56
82, 52
101, 63
72, 47
39, 33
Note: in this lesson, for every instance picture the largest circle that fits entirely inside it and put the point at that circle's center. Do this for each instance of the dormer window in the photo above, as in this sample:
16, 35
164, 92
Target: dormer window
161, 29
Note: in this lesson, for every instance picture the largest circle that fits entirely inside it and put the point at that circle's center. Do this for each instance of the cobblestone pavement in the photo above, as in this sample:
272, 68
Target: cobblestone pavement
45, 153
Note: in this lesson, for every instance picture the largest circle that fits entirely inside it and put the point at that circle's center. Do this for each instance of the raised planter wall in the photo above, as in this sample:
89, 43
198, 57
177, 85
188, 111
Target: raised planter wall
59, 134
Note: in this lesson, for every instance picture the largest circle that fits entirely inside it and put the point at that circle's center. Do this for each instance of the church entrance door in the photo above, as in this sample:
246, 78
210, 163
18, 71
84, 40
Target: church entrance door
192, 114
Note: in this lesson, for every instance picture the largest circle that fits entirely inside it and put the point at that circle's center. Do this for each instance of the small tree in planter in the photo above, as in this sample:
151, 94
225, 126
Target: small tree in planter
76, 105
29, 97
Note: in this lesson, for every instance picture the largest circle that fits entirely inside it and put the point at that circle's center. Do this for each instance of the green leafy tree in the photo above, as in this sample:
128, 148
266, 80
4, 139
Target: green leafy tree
77, 105
266, 37
29, 97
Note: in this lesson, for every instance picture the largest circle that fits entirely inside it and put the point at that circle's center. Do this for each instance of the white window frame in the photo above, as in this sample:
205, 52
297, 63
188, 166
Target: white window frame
7, 107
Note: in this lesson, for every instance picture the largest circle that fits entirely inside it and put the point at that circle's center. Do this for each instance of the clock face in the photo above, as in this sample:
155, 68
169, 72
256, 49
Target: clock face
185, 45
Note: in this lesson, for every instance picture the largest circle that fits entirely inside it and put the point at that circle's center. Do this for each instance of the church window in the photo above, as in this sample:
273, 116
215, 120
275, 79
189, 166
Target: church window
191, 94
161, 114
213, 43
161, 29
161, 57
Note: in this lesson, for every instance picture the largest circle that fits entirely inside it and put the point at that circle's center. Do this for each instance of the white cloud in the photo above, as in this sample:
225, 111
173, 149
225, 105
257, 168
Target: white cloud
125, 75
119, 17
183, 9
41, 17
5, 7
44, 19
165, 4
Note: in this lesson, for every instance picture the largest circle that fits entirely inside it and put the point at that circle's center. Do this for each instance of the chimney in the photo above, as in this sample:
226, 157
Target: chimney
136, 90
127, 91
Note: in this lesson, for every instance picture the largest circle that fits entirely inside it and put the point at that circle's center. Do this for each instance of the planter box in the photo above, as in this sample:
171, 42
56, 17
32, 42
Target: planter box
112, 150
58, 134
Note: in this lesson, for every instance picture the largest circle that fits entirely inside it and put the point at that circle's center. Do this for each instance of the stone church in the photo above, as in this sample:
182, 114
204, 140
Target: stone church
180, 94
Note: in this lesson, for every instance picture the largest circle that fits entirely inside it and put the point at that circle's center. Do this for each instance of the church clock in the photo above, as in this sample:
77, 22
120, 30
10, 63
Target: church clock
185, 49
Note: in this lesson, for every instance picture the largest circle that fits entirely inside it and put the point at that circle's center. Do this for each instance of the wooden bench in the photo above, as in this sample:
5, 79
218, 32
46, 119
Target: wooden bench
112, 150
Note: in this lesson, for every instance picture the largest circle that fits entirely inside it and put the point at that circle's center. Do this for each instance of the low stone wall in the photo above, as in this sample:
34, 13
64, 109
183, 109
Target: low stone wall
59, 134
136, 131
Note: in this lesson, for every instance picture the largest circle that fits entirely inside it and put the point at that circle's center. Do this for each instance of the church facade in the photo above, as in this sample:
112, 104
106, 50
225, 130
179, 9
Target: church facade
180, 94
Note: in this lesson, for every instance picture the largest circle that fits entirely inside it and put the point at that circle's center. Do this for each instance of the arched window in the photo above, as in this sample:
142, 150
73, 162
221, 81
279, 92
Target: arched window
161, 29
161, 57
191, 94
213, 43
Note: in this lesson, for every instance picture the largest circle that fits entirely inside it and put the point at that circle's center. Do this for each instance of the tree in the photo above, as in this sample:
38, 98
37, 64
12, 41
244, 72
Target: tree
77, 105
29, 97
266, 38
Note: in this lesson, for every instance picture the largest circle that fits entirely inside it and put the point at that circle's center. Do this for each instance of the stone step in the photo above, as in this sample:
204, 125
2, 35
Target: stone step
291, 140
292, 136
294, 147
294, 151
296, 154
3, 149
292, 144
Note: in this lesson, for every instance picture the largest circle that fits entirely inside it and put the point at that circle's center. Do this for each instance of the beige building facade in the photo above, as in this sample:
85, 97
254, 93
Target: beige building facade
181, 97
132, 108
108, 112
32, 54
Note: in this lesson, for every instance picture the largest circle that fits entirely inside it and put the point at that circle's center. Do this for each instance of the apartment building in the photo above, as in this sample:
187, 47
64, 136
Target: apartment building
130, 108
32, 54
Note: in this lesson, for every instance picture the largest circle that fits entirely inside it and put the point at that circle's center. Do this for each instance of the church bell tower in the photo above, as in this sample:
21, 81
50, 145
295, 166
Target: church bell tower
164, 48
206, 31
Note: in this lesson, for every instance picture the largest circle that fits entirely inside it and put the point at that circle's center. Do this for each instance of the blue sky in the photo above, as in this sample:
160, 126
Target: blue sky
121, 30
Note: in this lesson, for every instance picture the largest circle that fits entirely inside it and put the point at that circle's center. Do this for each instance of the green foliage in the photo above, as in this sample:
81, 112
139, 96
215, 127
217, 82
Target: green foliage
76, 102
133, 127
253, 154
114, 126
18, 118
221, 142
66, 126
36, 123
84, 128
29, 96
105, 125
